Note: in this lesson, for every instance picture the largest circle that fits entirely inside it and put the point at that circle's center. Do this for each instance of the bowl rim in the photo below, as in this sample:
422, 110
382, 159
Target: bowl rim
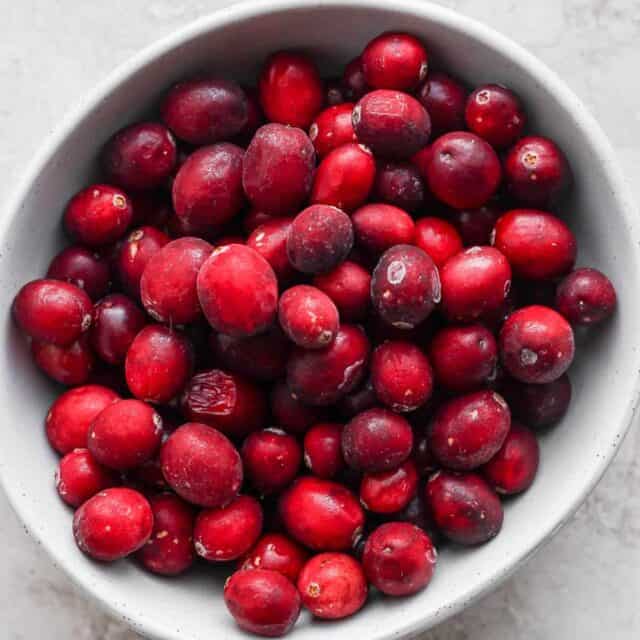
241, 11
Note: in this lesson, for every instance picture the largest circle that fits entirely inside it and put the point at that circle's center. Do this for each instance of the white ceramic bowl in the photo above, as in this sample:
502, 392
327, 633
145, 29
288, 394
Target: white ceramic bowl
233, 42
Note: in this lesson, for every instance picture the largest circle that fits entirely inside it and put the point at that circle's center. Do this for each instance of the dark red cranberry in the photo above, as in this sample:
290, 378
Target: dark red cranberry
389, 491
586, 297
400, 184
254, 218
290, 413
276, 552
79, 477
270, 241
475, 225
79, 266
148, 476
378, 227
348, 285
69, 365
438, 239
322, 449
152, 208
422, 455
255, 117
353, 80
416, 513
332, 128
358, 401
445, 99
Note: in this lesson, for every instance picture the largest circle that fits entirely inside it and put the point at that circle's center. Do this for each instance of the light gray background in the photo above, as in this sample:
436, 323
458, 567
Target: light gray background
586, 583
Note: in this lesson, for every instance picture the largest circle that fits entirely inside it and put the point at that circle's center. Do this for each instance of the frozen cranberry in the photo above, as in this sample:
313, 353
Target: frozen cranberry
377, 227
333, 520
69, 365
399, 559
348, 285
276, 552
278, 169
322, 450
79, 477
290, 413
438, 239
389, 491
465, 508
332, 128
353, 80
262, 602
98, 215
586, 297
475, 225
393, 124
322, 376
405, 286
206, 110
376, 440
399, 184
254, 218
270, 241
445, 99
536, 344
79, 266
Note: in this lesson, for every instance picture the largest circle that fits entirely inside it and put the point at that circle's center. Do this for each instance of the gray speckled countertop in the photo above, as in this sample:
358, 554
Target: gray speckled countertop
586, 583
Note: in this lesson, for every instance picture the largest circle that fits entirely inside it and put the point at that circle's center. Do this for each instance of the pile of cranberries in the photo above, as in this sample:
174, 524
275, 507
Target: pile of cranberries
310, 329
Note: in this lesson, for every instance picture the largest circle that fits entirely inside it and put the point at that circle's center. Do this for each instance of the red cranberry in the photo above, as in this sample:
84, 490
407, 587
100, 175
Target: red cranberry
405, 286
536, 344
332, 586
445, 99
353, 80
276, 552
423, 457
206, 110
334, 93
254, 218
322, 376
79, 477
334, 518
290, 413
417, 514
348, 285
586, 297
393, 124
438, 239
270, 241
399, 184
70, 365
98, 215
262, 602
323, 451
332, 128
255, 117
378, 227
79, 266
399, 559
536, 171
148, 476
389, 491
358, 401
465, 508
475, 225
201, 465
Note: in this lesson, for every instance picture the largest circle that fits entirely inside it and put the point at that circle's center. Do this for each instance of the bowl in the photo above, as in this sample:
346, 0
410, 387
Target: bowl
233, 42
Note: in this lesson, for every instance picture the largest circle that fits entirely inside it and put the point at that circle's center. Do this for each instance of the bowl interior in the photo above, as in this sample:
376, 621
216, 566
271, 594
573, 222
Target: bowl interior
232, 43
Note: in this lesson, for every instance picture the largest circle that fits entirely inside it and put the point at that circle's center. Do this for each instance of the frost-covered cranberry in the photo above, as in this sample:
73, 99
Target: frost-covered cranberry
465, 508
389, 491
391, 123
201, 465
475, 225
79, 477
323, 449
276, 552
536, 344
332, 586
333, 517
348, 285
289, 412
445, 99
69, 365
438, 239
399, 184
270, 241
113, 524
332, 128
378, 227
399, 559
586, 297
83, 268
353, 80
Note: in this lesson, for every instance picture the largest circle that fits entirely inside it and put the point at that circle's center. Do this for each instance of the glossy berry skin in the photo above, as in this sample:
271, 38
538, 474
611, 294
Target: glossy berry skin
475, 225
158, 364
353, 80
308, 316
201, 465
536, 344
462, 170
83, 268
79, 477
399, 559
276, 552
168, 284
113, 524
405, 286
399, 184
463, 358
538, 245
262, 602
348, 285
378, 227
289, 412
495, 113
394, 61
322, 376
475, 282
205, 110
334, 518
52, 311
438, 239
389, 491
271, 460
291, 91
392, 124
323, 450
332, 128
320, 238
376, 440
98, 215
465, 508
270, 241
401, 375
332, 586
536, 171
586, 297
238, 291
445, 100
228, 532
69, 365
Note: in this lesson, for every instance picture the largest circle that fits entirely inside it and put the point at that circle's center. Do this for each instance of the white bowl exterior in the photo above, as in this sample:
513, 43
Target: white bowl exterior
232, 43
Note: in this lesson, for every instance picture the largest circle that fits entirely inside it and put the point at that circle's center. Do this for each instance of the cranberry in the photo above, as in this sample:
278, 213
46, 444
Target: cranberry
393, 124
536, 344
322, 376
322, 450
586, 297
333, 520
262, 602
98, 215
445, 99
334, 93
399, 559
332, 128
353, 80
276, 552
113, 524
271, 460
79, 477
348, 286
69, 365
376, 440
228, 532
291, 90
358, 401
290, 413
201, 465
205, 110
52, 311
378, 227
148, 476
422, 455
153, 208
270, 241
278, 169
475, 225
399, 184
389, 491
255, 117
405, 286
79, 266
438, 239
465, 508
254, 218
332, 586
394, 61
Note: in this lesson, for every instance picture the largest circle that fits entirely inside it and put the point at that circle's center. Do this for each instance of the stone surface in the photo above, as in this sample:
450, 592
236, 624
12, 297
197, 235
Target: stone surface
585, 583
